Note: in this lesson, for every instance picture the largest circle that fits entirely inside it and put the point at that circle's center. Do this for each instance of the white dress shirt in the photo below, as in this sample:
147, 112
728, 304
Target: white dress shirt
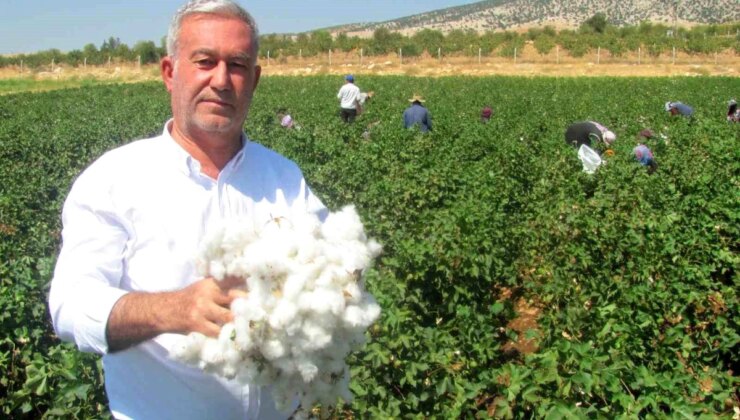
348, 96
133, 221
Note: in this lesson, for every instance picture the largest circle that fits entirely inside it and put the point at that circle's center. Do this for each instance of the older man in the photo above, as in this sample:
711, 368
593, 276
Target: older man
125, 284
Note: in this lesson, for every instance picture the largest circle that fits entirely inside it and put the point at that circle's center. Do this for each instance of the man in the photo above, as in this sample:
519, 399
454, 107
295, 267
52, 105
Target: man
733, 114
417, 115
485, 114
348, 96
362, 99
645, 156
678, 108
586, 132
125, 284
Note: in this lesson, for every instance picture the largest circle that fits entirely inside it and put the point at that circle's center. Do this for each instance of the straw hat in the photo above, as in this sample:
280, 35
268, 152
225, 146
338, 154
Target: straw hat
416, 98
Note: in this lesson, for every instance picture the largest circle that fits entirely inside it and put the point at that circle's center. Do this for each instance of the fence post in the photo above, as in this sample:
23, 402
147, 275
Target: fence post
598, 55
52, 64
300, 53
108, 61
268, 57
674, 55
514, 55
639, 55
21, 66
439, 54
400, 55
329, 57
84, 63
479, 55
138, 62
557, 54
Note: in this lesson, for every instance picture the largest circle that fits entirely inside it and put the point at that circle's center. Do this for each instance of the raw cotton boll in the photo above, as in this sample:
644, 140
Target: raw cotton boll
362, 315
272, 349
260, 289
306, 224
305, 309
234, 239
286, 365
188, 349
293, 286
307, 249
374, 247
227, 335
308, 370
243, 340
327, 300
316, 336
352, 293
239, 307
249, 309
354, 256
217, 269
283, 314
212, 353
343, 225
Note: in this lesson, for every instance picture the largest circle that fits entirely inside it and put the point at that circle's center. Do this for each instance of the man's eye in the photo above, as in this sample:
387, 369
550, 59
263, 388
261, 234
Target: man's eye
239, 64
204, 62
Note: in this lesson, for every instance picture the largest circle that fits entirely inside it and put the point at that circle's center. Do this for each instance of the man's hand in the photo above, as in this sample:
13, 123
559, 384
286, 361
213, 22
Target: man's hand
201, 307
204, 306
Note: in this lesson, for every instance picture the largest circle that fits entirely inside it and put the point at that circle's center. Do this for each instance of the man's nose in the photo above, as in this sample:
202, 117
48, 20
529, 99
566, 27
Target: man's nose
220, 78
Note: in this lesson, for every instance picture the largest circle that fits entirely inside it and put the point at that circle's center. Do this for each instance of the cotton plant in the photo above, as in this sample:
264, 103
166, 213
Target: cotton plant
306, 307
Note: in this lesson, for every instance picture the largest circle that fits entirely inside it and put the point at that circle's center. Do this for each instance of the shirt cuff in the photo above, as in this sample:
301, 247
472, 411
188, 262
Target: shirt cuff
90, 328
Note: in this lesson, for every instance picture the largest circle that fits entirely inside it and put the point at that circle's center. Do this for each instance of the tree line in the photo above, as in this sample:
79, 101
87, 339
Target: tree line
596, 32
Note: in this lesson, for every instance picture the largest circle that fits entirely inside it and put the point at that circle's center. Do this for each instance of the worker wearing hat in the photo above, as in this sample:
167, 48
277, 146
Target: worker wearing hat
417, 115
733, 114
678, 108
586, 132
348, 96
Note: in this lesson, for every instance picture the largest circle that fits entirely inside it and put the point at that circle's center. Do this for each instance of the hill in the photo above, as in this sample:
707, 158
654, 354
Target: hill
515, 14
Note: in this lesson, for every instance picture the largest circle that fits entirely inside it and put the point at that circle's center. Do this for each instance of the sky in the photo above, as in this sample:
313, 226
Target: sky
28, 26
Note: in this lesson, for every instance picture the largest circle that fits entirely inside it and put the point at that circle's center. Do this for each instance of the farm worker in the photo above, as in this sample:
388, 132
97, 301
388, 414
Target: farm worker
125, 283
733, 114
678, 108
646, 133
348, 96
586, 132
645, 157
485, 114
286, 121
417, 114
363, 98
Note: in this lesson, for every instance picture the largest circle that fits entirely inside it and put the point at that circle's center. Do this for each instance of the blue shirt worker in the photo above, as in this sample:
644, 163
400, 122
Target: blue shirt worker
645, 157
417, 114
676, 108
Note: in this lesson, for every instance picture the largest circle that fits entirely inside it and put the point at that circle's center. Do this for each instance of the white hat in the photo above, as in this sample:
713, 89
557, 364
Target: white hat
668, 106
609, 137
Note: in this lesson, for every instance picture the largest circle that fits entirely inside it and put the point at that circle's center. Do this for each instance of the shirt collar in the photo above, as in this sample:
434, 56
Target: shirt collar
185, 162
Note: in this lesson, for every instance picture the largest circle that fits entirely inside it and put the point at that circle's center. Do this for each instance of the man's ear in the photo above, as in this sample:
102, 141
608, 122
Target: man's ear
167, 69
257, 72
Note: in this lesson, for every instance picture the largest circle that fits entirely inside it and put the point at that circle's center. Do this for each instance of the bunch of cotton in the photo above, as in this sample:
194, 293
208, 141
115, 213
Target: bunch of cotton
306, 307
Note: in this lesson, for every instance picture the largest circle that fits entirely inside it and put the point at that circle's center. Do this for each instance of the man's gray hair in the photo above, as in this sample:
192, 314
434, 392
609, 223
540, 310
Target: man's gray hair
215, 7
